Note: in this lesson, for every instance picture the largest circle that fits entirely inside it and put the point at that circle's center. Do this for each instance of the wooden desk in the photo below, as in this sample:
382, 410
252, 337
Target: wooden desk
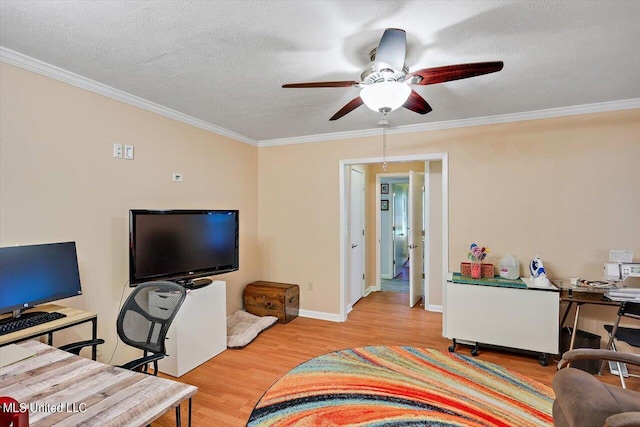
74, 317
90, 393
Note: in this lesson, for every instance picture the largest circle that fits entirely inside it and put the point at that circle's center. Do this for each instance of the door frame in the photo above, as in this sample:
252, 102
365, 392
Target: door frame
344, 238
363, 220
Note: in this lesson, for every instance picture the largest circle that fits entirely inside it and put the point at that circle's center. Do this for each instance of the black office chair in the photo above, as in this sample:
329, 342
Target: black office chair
618, 333
143, 322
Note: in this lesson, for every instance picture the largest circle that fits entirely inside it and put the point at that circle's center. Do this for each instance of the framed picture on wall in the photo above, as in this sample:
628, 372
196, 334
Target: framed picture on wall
384, 188
384, 205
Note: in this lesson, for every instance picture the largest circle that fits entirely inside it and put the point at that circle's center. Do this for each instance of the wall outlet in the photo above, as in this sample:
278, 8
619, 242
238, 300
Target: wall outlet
178, 177
117, 151
309, 286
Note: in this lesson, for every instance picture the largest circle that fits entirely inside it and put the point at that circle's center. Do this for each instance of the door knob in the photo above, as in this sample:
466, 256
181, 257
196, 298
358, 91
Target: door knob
354, 246
413, 246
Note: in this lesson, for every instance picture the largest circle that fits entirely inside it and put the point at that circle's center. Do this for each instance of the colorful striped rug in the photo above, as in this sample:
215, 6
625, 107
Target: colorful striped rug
402, 386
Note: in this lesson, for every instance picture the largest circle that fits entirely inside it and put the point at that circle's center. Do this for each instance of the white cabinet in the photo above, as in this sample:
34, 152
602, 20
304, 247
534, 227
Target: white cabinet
525, 319
161, 303
199, 331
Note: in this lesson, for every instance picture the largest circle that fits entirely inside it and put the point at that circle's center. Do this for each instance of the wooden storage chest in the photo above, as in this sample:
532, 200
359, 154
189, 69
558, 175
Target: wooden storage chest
272, 299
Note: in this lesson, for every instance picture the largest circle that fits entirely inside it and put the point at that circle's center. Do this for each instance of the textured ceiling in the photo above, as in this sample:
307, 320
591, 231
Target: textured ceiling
224, 62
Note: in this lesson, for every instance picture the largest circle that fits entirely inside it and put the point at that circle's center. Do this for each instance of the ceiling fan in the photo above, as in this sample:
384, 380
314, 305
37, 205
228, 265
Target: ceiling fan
384, 85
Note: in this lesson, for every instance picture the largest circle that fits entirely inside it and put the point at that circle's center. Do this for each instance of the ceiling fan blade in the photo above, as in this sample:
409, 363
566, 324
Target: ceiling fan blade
417, 104
431, 76
320, 84
352, 105
391, 50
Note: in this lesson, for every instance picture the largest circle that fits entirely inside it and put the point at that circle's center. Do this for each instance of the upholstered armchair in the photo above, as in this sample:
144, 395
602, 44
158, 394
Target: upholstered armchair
582, 400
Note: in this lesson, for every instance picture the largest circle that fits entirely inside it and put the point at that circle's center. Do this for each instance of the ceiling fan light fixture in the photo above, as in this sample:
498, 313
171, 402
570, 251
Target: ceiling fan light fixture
385, 96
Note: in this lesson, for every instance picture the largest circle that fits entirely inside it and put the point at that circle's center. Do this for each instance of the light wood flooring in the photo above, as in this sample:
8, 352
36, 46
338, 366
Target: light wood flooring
231, 383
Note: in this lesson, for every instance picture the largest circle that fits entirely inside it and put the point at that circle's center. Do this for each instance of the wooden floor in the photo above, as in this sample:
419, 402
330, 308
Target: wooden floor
231, 383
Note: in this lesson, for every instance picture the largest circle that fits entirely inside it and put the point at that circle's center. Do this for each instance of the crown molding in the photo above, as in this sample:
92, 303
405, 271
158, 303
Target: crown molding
23, 61
14, 58
574, 110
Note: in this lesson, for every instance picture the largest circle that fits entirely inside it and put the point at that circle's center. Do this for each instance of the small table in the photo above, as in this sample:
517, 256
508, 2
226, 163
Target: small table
69, 390
73, 317
500, 312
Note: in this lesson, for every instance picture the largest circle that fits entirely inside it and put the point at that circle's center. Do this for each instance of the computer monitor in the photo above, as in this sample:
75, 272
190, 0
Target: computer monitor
37, 274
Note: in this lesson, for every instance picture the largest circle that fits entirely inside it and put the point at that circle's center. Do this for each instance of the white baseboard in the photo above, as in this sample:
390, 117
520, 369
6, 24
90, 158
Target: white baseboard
320, 315
369, 290
434, 308
332, 317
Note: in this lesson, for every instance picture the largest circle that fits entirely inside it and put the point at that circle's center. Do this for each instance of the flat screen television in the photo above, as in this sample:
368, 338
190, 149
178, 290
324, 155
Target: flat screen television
182, 245
37, 274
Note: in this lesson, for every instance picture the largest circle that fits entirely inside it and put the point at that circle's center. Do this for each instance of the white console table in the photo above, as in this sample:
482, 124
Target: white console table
199, 331
525, 319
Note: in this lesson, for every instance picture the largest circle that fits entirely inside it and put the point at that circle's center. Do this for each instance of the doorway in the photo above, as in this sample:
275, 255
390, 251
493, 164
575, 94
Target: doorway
439, 252
394, 240
402, 231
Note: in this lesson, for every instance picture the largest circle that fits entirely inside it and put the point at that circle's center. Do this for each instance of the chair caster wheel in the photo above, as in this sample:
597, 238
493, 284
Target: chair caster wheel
474, 352
543, 360
452, 349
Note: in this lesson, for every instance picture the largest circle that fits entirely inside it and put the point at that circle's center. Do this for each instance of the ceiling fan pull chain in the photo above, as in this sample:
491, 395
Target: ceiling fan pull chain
384, 143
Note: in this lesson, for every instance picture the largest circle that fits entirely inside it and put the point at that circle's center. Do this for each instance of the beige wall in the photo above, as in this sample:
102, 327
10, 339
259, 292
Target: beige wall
564, 188
59, 182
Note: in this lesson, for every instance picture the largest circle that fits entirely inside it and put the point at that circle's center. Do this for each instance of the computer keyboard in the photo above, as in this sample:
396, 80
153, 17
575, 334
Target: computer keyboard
29, 320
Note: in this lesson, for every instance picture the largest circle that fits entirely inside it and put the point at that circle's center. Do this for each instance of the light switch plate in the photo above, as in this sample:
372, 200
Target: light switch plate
128, 152
117, 151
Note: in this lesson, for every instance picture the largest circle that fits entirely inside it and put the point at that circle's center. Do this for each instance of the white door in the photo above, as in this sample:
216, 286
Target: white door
356, 236
400, 223
416, 244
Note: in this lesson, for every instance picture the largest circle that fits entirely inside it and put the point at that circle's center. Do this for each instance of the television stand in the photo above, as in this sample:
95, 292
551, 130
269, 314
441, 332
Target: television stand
197, 283
199, 330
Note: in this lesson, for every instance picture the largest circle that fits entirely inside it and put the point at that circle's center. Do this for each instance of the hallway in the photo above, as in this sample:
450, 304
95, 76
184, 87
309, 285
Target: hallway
399, 284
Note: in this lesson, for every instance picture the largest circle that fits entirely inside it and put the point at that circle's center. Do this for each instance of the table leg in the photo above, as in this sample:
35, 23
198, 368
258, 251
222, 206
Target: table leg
610, 343
94, 336
189, 421
566, 313
575, 327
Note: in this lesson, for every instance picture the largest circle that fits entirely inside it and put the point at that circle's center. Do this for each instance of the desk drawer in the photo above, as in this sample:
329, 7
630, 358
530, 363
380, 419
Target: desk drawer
161, 303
